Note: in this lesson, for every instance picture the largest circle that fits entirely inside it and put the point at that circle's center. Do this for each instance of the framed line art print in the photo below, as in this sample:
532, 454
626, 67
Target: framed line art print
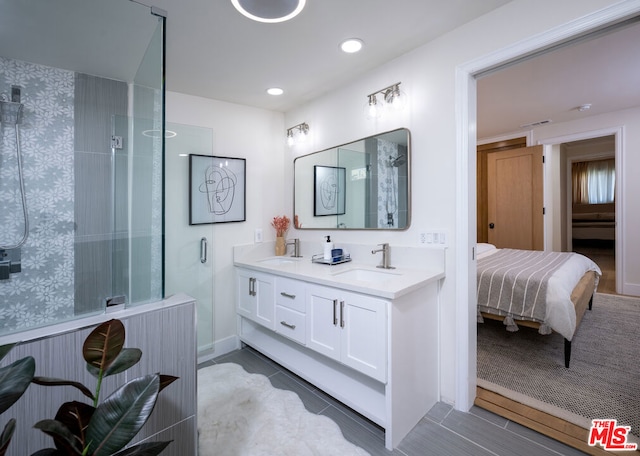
329, 190
217, 189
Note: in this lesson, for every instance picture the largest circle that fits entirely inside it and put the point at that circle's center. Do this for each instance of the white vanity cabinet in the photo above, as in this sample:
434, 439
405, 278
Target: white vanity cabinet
371, 344
255, 296
348, 327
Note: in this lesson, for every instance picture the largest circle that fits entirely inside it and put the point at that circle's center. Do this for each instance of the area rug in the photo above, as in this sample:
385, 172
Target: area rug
603, 380
242, 414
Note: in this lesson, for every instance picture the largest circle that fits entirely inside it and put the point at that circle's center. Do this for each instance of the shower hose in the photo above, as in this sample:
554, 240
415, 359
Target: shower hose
14, 118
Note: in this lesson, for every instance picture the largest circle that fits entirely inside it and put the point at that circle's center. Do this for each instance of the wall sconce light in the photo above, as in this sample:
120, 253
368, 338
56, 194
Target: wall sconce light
297, 134
392, 98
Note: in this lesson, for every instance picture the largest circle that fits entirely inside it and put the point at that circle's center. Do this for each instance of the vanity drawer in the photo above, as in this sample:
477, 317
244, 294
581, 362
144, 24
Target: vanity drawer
291, 294
291, 324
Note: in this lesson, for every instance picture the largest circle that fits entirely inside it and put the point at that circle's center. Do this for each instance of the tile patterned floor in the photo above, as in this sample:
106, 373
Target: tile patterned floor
442, 432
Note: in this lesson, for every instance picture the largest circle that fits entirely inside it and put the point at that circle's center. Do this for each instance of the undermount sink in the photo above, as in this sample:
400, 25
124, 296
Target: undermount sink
277, 261
367, 275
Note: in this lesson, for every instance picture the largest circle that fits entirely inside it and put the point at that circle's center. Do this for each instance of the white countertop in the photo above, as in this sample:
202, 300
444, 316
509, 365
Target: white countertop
384, 283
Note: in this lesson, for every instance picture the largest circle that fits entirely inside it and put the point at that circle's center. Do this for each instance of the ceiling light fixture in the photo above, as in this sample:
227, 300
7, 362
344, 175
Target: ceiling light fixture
275, 91
158, 133
297, 134
584, 107
351, 45
392, 98
270, 12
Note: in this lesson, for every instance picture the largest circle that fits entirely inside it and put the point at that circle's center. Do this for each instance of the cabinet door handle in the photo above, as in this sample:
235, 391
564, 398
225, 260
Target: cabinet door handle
335, 312
342, 314
252, 286
288, 325
287, 295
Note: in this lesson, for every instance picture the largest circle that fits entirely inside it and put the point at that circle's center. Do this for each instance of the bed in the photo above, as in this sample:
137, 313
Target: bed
593, 221
549, 291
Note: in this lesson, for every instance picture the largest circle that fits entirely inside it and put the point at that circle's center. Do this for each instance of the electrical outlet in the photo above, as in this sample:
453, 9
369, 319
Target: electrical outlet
423, 238
257, 236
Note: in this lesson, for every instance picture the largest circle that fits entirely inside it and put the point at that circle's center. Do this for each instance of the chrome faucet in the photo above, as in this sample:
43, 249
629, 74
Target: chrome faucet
296, 247
385, 256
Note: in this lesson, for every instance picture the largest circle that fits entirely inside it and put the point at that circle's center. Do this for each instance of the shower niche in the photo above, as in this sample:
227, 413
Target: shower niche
80, 220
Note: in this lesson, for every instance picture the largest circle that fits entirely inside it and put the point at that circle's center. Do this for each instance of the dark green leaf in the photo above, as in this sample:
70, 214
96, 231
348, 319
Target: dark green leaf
75, 416
119, 418
48, 381
49, 452
103, 345
5, 438
128, 357
166, 380
144, 449
14, 380
4, 349
61, 434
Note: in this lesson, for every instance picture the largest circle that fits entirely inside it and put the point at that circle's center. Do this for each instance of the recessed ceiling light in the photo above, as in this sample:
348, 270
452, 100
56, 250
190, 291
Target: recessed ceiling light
351, 45
271, 11
275, 91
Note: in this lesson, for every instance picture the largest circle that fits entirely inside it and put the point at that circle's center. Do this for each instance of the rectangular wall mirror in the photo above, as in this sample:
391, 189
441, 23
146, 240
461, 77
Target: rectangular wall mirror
361, 185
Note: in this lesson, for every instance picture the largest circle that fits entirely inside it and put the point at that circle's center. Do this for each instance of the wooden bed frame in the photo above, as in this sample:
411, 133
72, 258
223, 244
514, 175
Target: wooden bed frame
581, 297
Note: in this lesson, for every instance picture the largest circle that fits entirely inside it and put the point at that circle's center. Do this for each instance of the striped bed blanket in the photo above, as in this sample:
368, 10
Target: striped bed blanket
514, 283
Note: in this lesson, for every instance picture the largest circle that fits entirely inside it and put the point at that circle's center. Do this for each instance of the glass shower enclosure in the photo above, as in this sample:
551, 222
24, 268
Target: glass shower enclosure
81, 159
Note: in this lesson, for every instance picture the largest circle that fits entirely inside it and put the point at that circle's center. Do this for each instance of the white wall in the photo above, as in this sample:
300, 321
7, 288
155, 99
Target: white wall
428, 76
256, 135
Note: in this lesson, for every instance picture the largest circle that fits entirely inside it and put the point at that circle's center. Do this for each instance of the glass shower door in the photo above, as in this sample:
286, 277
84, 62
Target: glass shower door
189, 265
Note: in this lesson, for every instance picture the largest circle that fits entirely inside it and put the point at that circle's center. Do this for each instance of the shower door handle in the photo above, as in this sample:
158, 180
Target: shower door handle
203, 250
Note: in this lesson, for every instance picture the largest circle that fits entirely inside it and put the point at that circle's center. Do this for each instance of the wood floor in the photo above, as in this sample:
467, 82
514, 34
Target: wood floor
549, 425
604, 255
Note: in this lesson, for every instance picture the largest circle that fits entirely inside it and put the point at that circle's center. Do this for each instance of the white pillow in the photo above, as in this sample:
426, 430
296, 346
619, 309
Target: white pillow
484, 248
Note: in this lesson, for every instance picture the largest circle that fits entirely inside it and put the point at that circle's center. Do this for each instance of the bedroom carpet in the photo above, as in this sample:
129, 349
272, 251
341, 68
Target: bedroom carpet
242, 414
603, 380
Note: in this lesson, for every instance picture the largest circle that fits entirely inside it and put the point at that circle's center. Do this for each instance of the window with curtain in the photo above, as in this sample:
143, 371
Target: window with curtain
594, 182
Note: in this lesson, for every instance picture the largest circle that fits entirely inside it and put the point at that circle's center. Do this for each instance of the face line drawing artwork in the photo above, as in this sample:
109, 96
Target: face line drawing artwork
219, 188
329, 192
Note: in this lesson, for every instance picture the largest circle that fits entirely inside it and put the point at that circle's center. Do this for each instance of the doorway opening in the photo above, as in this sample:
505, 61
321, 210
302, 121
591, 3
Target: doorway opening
590, 195
567, 232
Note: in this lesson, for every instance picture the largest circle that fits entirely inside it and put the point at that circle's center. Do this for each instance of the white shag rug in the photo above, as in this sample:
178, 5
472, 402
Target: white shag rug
242, 414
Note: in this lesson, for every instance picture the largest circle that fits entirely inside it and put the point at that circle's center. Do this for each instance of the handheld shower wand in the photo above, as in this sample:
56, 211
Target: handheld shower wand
11, 114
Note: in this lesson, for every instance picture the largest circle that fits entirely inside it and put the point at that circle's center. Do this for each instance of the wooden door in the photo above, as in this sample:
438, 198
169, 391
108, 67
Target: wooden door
481, 178
515, 198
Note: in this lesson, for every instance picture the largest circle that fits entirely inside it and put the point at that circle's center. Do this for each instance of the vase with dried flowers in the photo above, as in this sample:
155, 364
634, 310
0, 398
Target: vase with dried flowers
281, 224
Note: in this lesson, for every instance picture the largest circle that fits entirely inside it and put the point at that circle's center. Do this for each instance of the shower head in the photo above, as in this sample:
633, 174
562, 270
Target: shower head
11, 112
397, 161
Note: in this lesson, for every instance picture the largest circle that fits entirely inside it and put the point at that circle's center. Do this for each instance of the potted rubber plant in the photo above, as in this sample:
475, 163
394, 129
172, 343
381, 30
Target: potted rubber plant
105, 428
14, 381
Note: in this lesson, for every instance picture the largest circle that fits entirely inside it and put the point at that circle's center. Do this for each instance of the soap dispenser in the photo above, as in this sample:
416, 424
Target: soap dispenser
328, 247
